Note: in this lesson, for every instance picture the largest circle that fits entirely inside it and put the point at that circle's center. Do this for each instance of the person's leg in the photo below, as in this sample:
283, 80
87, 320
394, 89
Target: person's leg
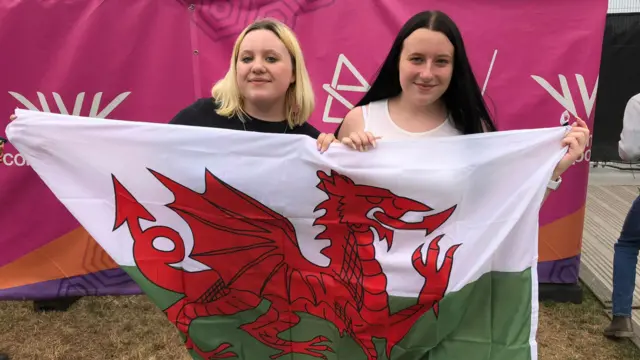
624, 274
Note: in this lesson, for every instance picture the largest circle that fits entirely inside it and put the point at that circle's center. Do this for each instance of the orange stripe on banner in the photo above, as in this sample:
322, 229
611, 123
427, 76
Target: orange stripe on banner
76, 253
73, 254
562, 238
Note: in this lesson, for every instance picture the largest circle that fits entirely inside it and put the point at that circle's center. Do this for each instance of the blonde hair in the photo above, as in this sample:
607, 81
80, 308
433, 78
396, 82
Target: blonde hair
299, 99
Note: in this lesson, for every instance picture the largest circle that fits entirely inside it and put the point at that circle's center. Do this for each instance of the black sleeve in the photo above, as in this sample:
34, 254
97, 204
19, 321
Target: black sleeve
186, 116
309, 130
196, 114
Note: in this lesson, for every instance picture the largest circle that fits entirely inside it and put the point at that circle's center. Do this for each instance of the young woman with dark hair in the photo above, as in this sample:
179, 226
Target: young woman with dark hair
427, 71
426, 88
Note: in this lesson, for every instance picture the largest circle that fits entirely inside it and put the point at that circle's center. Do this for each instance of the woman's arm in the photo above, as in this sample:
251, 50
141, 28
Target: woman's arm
576, 141
629, 144
352, 122
352, 134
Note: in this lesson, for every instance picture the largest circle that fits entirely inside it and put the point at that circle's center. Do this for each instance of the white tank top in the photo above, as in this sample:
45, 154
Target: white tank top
378, 121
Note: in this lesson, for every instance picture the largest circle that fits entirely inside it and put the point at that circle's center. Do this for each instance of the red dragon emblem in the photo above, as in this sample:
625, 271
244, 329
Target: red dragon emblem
253, 255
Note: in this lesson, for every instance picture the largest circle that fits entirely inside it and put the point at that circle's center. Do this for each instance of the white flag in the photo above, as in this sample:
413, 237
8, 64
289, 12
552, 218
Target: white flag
257, 245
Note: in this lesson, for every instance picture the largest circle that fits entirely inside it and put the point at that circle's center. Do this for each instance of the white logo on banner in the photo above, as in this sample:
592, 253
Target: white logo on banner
13, 160
95, 104
333, 88
486, 78
17, 159
566, 99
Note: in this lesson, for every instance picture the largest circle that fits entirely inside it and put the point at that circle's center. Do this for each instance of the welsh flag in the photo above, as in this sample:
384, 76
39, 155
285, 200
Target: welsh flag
257, 246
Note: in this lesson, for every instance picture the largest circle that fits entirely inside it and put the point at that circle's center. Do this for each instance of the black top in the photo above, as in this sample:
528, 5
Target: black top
202, 113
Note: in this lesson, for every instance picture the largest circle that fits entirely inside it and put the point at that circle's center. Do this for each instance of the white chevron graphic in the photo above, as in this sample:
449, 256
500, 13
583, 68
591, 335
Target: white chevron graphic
333, 88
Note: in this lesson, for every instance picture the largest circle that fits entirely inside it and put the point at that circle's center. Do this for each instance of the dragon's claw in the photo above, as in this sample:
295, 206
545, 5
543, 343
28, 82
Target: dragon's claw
217, 353
429, 267
436, 280
311, 348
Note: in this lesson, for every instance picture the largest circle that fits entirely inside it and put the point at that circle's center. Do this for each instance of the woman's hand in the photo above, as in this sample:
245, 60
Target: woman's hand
360, 140
11, 118
576, 139
324, 140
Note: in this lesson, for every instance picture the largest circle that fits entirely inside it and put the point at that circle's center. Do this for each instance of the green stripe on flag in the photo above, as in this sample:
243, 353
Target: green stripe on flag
489, 319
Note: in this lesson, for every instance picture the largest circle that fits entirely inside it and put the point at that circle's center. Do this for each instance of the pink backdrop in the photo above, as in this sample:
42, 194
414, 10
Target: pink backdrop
145, 60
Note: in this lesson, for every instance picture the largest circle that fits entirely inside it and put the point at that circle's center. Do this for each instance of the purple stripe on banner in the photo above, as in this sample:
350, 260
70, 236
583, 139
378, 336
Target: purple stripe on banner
101, 283
563, 271
117, 282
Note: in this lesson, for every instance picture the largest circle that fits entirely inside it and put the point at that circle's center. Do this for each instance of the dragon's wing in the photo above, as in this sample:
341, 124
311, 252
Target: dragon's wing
232, 232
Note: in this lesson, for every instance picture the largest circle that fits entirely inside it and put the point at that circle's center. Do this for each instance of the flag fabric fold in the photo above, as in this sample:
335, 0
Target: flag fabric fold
257, 246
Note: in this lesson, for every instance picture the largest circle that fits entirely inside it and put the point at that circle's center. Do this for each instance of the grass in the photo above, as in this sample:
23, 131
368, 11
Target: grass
574, 332
133, 328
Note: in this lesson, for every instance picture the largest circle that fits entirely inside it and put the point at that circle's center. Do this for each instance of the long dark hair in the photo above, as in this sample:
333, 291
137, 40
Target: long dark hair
463, 98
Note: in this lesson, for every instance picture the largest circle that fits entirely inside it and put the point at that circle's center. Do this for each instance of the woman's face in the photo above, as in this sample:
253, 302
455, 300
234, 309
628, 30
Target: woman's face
426, 66
264, 68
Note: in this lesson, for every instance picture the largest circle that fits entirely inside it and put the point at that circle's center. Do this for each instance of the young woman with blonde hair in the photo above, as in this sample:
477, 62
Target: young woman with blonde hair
267, 88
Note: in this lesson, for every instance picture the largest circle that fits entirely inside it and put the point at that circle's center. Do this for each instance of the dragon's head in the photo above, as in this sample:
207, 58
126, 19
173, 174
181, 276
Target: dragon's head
368, 208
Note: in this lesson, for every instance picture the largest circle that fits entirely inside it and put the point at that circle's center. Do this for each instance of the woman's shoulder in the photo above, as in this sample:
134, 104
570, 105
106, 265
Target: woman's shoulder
353, 121
203, 104
359, 113
194, 114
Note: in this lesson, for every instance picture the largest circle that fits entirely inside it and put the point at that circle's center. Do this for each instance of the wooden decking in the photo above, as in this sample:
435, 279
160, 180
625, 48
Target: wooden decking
609, 198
